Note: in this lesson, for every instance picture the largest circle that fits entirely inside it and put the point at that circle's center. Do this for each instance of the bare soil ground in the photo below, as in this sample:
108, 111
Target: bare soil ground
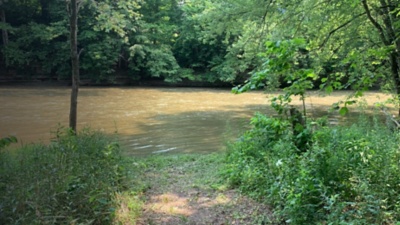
190, 191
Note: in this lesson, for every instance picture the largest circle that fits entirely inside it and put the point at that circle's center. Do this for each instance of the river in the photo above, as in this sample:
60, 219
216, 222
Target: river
147, 120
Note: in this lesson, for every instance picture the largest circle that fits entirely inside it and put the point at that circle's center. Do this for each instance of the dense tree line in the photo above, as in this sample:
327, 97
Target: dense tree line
136, 39
352, 43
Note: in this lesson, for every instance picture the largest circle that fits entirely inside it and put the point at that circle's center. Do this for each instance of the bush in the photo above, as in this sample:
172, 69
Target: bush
349, 175
71, 181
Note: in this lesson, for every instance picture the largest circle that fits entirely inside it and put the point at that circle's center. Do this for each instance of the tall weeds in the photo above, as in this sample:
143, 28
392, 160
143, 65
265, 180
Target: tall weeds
71, 181
348, 175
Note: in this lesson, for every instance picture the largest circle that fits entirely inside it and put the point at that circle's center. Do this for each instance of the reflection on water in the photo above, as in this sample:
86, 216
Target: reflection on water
148, 120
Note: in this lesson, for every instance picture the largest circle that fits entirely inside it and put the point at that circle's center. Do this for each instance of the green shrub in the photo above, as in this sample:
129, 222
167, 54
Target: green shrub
349, 175
71, 181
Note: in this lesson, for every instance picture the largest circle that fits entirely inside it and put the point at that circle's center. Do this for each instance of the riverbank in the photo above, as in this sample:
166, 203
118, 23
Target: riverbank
186, 189
45, 184
118, 81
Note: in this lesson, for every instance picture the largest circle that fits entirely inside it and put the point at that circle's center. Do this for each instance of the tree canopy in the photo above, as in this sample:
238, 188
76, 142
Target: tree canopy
348, 44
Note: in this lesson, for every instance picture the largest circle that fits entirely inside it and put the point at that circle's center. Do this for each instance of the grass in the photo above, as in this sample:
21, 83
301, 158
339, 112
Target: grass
203, 169
190, 189
84, 179
74, 180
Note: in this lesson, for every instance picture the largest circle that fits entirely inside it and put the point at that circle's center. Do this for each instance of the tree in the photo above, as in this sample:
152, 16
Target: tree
73, 10
214, 39
106, 28
151, 55
3, 22
386, 21
351, 44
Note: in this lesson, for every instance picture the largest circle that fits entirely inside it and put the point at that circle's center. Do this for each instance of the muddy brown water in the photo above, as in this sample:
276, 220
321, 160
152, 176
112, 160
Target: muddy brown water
148, 120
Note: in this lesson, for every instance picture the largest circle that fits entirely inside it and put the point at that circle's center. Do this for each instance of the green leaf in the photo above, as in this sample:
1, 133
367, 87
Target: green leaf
311, 75
335, 106
299, 41
329, 89
235, 90
343, 111
269, 44
359, 94
351, 102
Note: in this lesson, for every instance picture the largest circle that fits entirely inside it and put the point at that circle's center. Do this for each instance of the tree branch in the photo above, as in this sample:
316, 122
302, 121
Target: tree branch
79, 6
375, 23
266, 11
309, 9
68, 7
387, 20
390, 117
263, 24
338, 28
80, 52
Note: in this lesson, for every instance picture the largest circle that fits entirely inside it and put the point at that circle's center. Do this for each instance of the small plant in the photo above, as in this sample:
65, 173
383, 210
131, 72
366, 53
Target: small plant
286, 64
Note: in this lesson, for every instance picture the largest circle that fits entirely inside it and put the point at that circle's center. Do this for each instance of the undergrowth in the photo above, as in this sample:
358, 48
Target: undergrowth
73, 180
348, 175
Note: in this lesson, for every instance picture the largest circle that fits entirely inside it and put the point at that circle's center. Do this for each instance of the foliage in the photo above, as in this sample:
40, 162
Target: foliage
156, 62
350, 44
6, 141
313, 174
284, 61
348, 176
104, 39
34, 43
198, 48
72, 180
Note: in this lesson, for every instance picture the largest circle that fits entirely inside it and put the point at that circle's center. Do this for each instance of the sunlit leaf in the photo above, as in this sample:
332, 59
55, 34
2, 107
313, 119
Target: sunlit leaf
351, 102
343, 111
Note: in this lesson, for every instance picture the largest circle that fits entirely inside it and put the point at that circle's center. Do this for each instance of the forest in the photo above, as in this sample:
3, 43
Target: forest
348, 44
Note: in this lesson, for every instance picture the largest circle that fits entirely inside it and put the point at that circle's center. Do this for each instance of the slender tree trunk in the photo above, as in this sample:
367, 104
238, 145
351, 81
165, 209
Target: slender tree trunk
386, 11
4, 32
74, 63
45, 11
394, 66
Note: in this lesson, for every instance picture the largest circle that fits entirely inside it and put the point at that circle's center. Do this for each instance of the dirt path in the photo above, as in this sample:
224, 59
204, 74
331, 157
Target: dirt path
190, 191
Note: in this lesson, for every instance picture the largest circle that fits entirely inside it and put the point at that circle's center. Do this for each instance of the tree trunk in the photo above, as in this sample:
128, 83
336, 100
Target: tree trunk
386, 10
4, 32
45, 18
394, 66
75, 64
387, 31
